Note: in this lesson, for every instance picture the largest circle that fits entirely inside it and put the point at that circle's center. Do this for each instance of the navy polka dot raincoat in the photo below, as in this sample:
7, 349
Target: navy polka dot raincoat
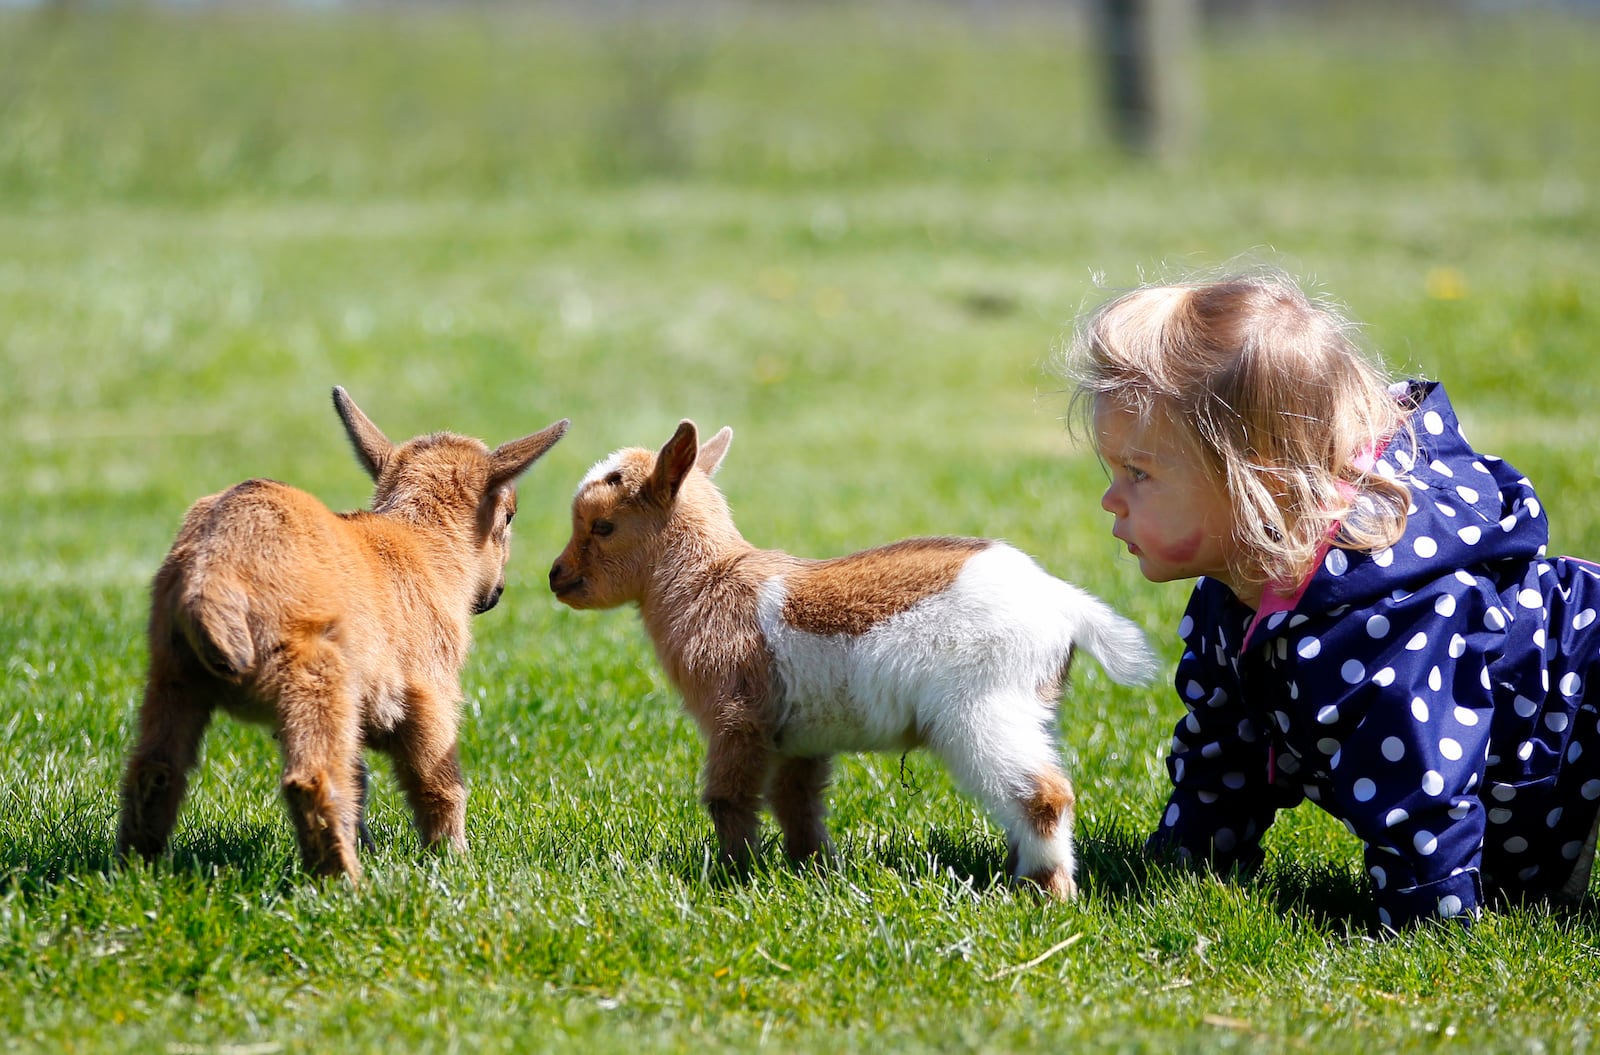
1431, 696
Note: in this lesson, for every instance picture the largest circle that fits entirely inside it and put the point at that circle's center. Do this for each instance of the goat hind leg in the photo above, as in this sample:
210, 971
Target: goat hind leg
1009, 763
172, 721
321, 745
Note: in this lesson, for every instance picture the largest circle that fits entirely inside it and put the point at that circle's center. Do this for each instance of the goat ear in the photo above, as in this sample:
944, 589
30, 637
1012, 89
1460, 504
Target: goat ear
372, 446
674, 463
713, 450
511, 460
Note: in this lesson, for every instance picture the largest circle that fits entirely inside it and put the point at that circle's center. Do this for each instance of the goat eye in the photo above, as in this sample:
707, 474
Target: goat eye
603, 528
510, 516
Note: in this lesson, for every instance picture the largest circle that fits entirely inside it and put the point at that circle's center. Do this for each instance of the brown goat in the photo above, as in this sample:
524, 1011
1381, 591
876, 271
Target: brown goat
338, 630
958, 645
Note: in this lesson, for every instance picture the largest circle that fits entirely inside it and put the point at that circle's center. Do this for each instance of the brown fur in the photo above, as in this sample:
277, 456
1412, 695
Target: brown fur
851, 595
339, 630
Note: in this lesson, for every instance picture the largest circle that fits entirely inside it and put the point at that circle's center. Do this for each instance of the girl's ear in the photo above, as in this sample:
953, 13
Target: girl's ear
713, 451
673, 464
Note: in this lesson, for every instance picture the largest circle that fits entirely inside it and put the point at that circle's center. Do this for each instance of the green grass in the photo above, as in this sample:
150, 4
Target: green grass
856, 237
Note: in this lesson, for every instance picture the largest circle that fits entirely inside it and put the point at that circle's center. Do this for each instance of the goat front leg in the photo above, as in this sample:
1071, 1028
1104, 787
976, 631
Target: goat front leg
795, 795
428, 766
737, 761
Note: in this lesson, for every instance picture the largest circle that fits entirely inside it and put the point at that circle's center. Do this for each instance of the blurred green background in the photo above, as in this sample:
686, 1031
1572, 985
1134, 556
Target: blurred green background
856, 233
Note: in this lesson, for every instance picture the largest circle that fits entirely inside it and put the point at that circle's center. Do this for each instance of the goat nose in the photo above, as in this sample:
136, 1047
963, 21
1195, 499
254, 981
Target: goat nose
555, 572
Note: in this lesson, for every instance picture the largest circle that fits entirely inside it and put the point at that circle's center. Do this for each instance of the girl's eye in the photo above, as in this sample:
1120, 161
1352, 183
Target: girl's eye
1135, 473
603, 528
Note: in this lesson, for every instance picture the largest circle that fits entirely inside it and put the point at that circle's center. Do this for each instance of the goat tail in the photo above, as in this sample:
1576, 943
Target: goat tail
213, 617
1115, 641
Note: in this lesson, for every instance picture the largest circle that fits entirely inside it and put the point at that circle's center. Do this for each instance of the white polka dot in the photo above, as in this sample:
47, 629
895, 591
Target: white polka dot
1328, 745
1571, 850
1524, 707
1467, 494
1530, 599
1212, 750
1494, 619
1380, 878
1364, 789
1571, 684
1419, 708
1327, 715
1553, 818
1555, 721
1393, 749
1424, 547
1450, 749
1208, 797
1448, 511
1432, 782
1435, 679
1418, 642
1464, 716
1533, 507
1434, 423
1500, 815
1508, 523
1186, 626
1308, 648
1583, 619
1378, 627
1384, 557
1336, 563
1194, 690
1225, 840
1470, 534
1503, 792
1385, 919
1384, 677
1353, 672
1177, 770
1233, 781
1441, 468
1170, 819
1574, 749
1515, 845
1425, 843
1449, 905
1525, 750
1445, 605
1462, 807
1394, 817
1458, 647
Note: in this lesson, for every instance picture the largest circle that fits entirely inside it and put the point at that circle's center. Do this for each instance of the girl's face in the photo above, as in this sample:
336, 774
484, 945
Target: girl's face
1171, 517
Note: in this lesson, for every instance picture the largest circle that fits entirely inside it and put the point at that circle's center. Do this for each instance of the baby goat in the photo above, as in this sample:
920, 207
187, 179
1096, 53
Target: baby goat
958, 645
338, 630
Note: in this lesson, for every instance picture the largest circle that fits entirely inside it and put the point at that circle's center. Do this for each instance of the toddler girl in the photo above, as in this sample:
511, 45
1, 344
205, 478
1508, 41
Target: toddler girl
1375, 625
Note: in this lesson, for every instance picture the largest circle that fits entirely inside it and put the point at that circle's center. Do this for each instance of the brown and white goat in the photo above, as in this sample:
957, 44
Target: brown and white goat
954, 644
338, 630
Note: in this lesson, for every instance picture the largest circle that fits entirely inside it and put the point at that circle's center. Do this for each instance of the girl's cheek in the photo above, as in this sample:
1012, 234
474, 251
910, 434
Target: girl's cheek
1178, 551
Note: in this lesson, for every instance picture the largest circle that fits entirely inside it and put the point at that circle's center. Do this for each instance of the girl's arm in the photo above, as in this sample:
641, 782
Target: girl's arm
1223, 797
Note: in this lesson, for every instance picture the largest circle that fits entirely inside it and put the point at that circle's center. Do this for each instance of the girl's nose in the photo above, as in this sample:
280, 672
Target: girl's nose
1109, 502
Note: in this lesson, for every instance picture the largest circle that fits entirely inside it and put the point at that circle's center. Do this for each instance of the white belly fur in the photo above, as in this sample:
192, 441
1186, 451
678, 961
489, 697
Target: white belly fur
997, 631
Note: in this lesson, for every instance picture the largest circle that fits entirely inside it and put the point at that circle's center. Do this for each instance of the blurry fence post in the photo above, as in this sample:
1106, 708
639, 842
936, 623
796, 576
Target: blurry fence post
1146, 47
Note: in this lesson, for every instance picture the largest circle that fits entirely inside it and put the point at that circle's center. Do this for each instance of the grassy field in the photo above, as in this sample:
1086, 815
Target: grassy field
856, 237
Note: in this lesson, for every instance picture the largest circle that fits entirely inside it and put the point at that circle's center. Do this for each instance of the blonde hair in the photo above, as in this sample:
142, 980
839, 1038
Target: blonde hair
1272, 394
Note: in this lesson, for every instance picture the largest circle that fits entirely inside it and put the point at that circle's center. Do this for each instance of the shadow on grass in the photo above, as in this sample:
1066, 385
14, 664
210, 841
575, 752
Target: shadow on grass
82, 844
